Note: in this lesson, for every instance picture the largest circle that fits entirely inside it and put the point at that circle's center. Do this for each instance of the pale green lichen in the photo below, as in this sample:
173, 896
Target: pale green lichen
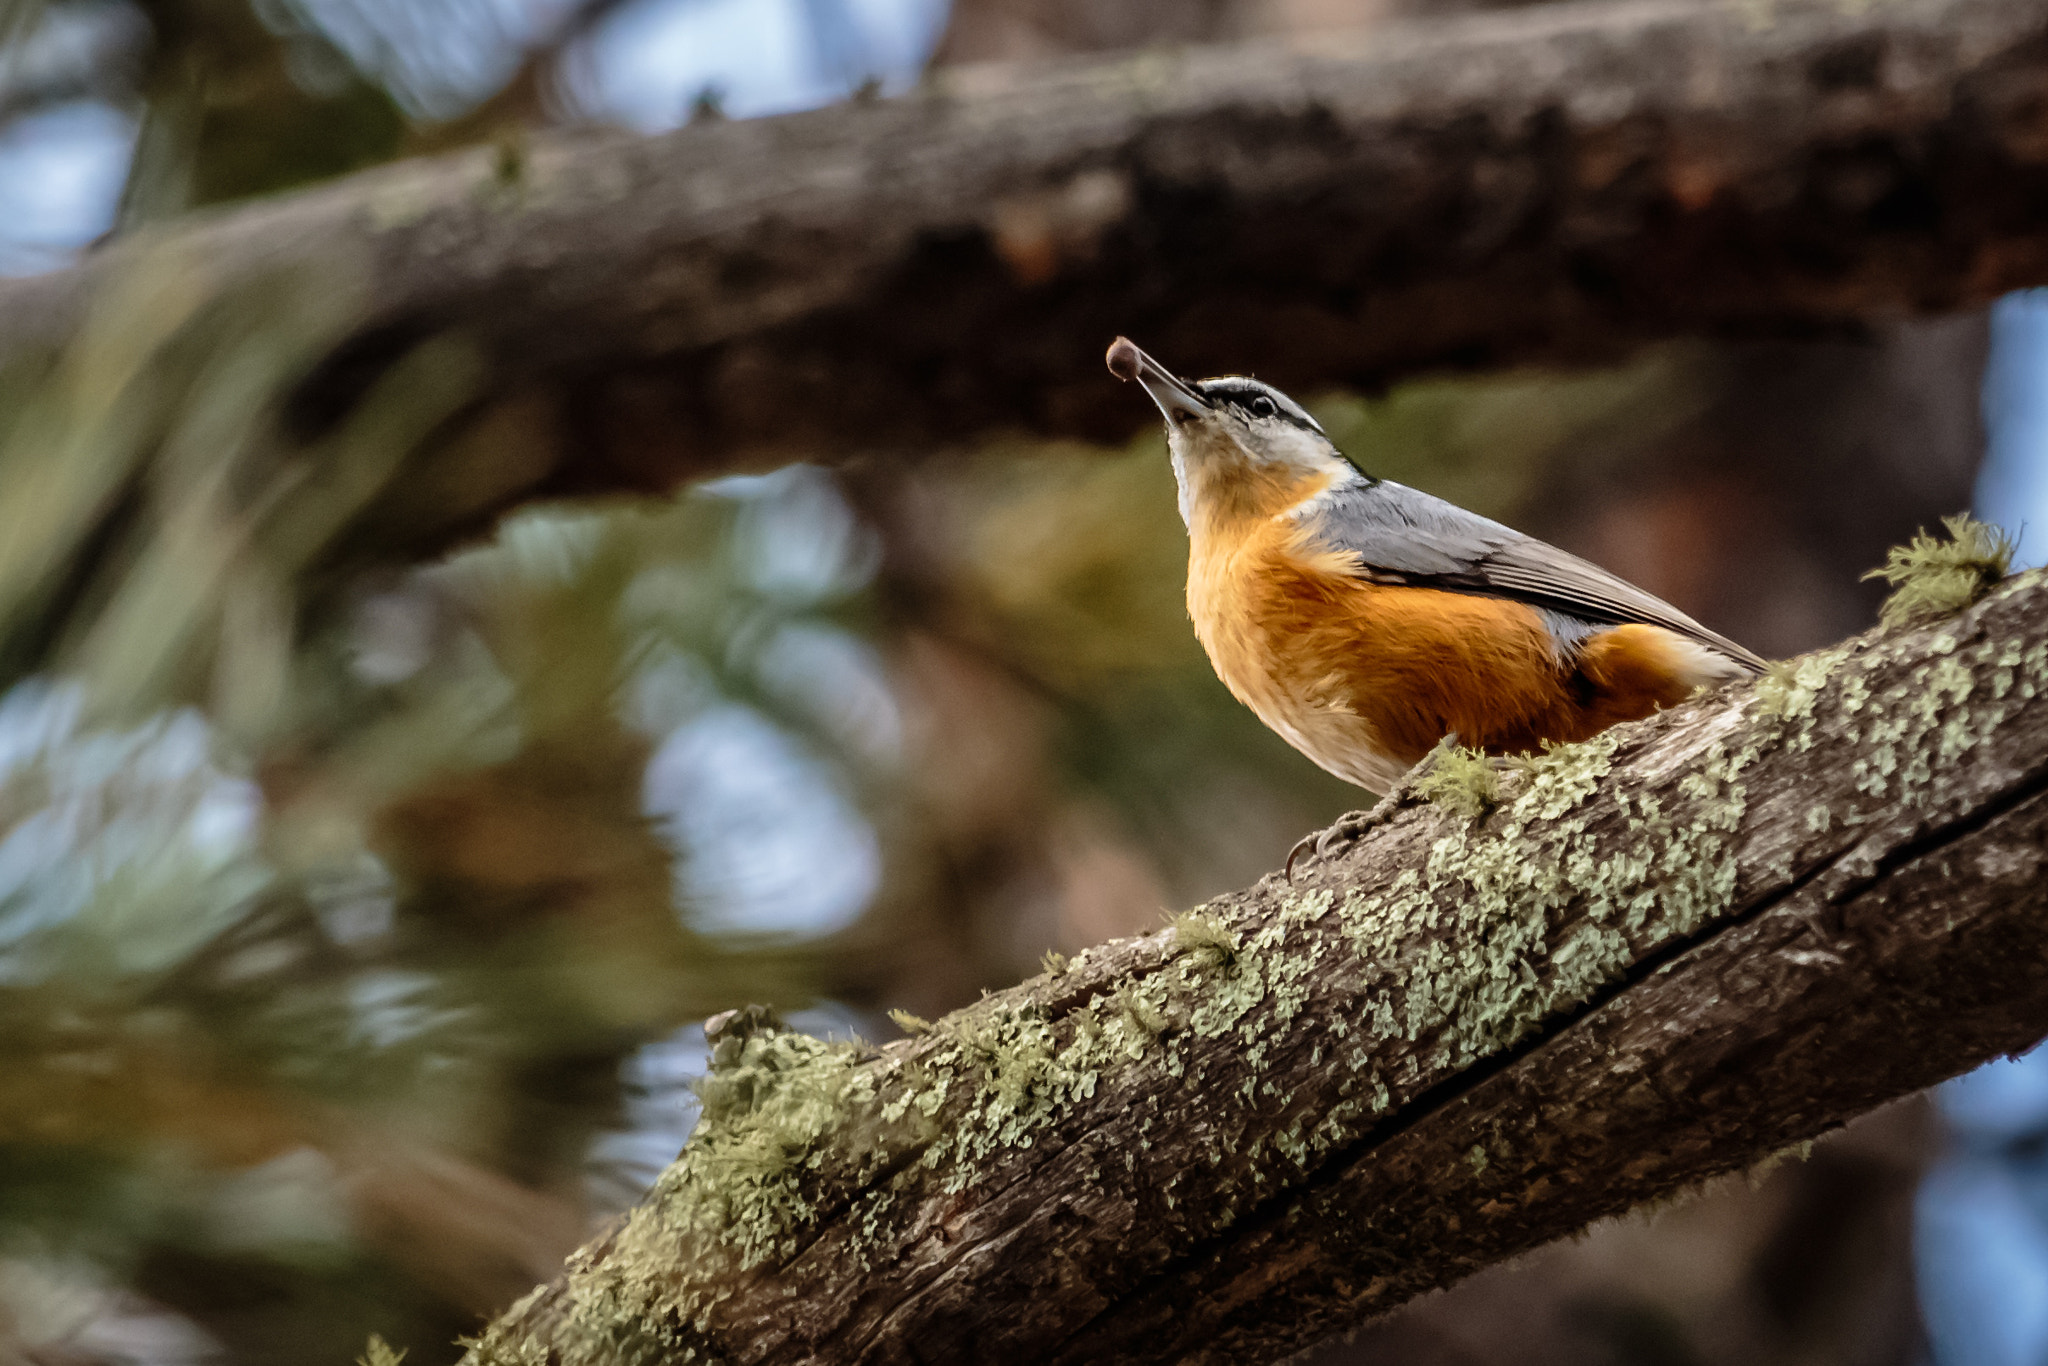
1462, 781
380, 1353
1015, 1050
1226, 999
1562, 776
1938, 713
495, 1347
910, 1024
1503, 926
765, 1108
1762, 1170
1198, 932
1789, 686
1933, 578
1144, 1017
784, 1118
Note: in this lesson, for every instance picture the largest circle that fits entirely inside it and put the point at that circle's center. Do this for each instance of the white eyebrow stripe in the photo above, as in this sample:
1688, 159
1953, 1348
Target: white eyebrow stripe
1240, 391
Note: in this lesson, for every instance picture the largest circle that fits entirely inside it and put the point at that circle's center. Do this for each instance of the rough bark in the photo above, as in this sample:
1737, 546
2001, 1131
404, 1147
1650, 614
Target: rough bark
1658, 957
1547, 183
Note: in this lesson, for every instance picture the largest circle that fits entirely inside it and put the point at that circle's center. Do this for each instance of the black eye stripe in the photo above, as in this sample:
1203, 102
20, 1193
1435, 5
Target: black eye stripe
1255, 400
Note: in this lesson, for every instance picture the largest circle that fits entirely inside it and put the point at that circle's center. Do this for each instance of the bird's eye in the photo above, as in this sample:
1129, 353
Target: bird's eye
1264, 407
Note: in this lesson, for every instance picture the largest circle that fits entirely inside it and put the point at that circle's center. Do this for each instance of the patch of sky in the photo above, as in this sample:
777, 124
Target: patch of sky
438, 58
2012, 483
751, 780
766, 842
1981, 1215
390, 1007
660, 1109
796, 536
2000, 1102
839, 680
651, 63
1981, 1220
61, 172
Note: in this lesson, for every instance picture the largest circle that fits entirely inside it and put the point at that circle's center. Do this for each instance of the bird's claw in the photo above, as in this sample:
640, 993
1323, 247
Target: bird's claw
1301, 846
1348, 829
1352, 826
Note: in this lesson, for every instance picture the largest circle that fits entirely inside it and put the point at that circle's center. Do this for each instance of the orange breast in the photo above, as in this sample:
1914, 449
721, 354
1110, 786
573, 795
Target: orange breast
1365, 678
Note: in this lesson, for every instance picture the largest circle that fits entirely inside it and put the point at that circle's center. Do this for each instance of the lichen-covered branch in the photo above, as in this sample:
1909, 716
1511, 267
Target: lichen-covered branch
1555, 182
1638, 963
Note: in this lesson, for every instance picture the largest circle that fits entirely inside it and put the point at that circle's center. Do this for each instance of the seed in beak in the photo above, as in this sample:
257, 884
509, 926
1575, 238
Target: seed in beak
1123, 359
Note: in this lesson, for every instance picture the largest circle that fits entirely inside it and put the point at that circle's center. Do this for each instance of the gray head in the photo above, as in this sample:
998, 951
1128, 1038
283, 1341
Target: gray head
1225, 430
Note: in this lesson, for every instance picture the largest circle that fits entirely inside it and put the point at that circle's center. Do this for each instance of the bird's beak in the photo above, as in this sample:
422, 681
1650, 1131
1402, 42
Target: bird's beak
1173, 394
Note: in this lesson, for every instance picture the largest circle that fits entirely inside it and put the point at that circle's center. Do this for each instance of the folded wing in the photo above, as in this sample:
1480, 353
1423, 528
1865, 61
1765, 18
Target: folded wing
1402, 535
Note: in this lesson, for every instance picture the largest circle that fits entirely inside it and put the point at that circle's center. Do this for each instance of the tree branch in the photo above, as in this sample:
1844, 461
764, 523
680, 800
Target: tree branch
1548, 183
1662, 955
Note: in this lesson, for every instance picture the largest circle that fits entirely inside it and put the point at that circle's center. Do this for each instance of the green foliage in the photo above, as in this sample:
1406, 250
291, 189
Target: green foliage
1789, 686
280, 135
327, 856
170, 397
1144, 1018
766, 1109
1931, 577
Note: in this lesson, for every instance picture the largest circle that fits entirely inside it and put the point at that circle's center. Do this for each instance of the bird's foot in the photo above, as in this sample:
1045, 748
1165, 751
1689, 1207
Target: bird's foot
1354, 825
1349, 828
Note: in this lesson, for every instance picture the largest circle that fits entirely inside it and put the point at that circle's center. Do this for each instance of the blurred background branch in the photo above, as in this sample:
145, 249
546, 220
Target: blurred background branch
1553, 184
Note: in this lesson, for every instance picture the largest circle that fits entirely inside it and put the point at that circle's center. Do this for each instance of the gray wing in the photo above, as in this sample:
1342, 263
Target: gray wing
1402, 535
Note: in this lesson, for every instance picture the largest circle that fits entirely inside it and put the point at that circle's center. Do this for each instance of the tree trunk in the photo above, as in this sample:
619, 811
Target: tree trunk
1660, 956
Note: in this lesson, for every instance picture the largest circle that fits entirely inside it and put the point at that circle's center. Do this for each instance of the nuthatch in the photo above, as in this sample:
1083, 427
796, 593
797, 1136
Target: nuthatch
1365, 621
